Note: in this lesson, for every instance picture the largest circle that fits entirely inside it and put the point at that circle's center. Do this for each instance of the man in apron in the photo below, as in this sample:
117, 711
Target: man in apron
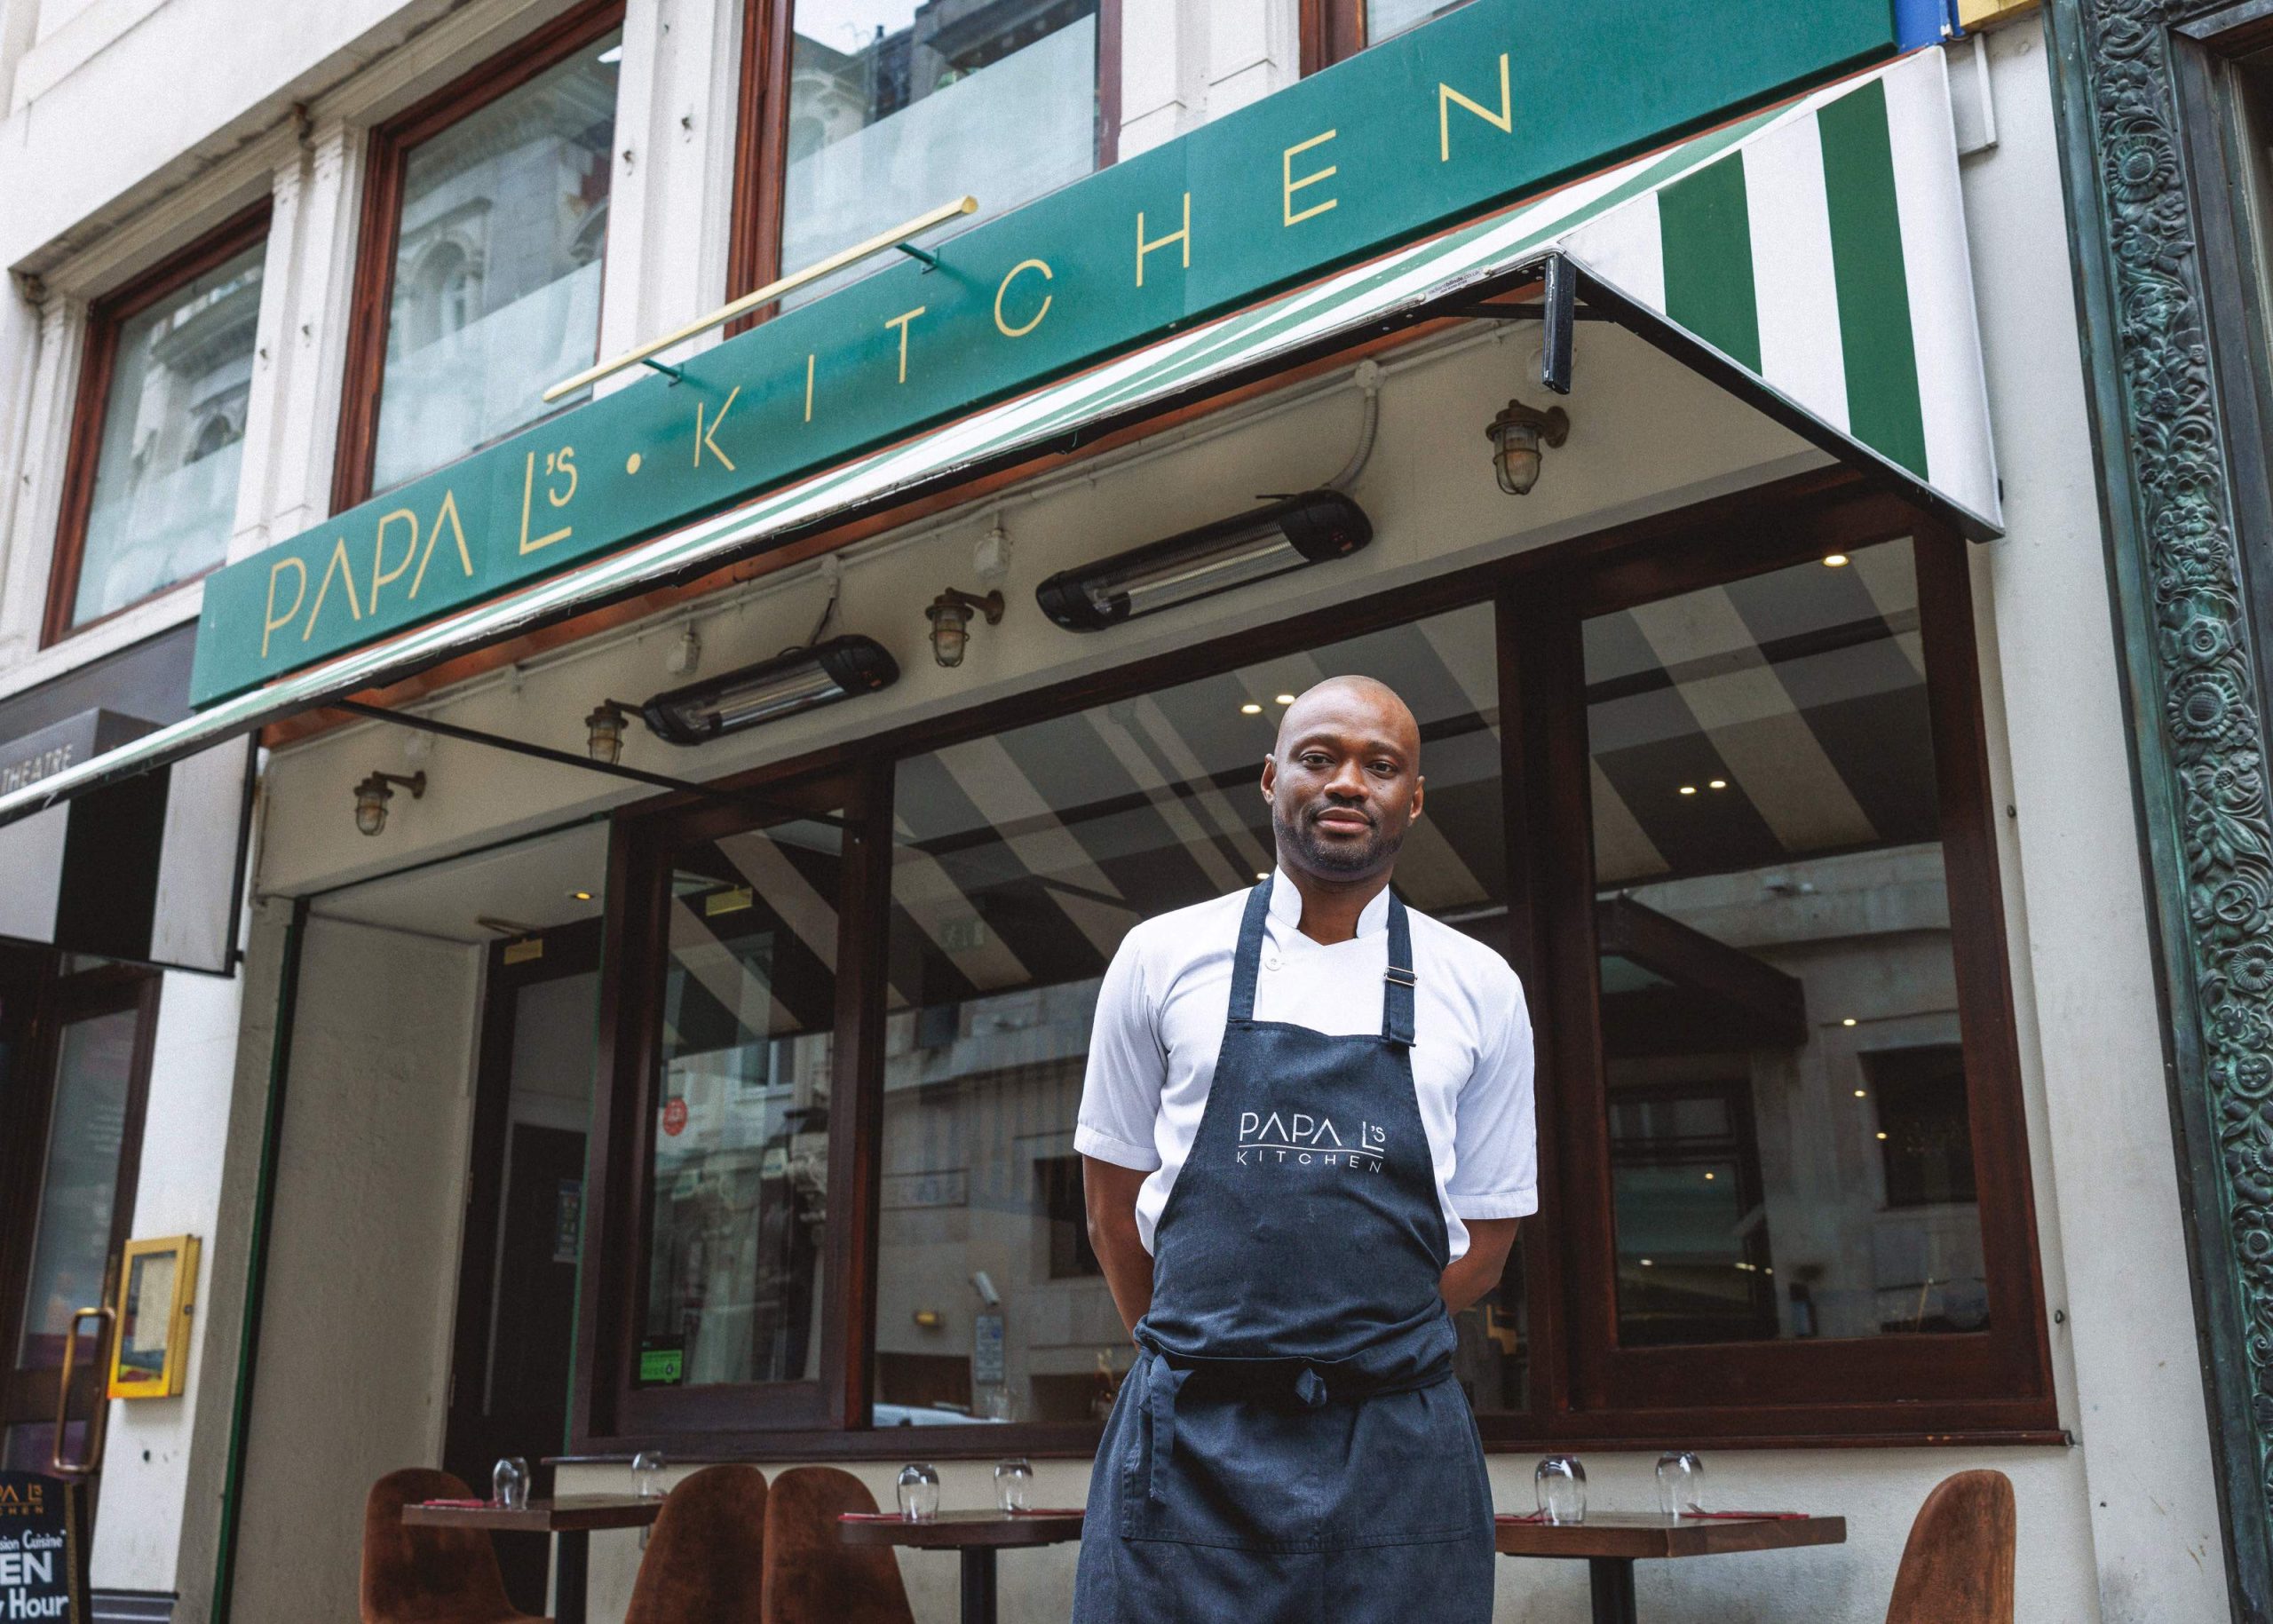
1307, 1137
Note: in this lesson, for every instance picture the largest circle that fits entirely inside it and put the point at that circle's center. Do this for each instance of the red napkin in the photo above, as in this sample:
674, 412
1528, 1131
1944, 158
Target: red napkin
475, 1505
1521, 1516
1051, 1511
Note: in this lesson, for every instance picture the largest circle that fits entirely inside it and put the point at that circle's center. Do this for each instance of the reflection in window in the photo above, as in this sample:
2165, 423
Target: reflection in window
1387, 18
1787, 1087
1021, 861
165, 495
740, 1167
897, 107
94, 1072
497, 265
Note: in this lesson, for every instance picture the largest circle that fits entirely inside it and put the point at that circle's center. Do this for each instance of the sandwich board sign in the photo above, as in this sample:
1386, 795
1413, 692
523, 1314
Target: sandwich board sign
39, 1565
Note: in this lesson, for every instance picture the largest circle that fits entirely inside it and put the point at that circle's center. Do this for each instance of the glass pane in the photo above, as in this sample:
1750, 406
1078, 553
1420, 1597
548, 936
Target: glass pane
1790, 1154
741, 1160
1388, 18
497, 265
896, 108
1021, 861
165, 493
85, 1137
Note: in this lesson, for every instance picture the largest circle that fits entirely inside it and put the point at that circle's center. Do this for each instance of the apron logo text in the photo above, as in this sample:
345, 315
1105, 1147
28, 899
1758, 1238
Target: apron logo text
1307, 1141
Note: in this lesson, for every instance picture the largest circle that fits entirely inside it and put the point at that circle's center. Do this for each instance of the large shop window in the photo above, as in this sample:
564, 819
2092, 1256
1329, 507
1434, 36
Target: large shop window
1020, 860
1736, 837
150, 487
483, 231
860, 114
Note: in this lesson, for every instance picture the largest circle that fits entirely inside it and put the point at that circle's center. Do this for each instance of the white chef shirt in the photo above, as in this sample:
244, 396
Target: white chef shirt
1168, 993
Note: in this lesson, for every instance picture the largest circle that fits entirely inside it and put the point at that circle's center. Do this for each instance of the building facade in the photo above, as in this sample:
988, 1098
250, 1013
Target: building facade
653, 967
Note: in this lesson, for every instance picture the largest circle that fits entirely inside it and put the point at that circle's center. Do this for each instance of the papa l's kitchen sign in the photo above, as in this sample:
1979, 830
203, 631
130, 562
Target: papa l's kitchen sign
1489, 104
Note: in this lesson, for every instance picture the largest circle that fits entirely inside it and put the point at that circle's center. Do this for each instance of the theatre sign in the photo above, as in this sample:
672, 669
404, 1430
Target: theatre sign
1494, 103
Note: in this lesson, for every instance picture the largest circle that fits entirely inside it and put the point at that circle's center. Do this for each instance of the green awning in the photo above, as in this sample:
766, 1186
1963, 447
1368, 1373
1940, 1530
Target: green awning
1812, 259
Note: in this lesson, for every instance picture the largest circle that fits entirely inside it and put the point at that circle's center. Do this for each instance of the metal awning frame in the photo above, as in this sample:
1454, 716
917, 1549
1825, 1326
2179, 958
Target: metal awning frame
1570, 292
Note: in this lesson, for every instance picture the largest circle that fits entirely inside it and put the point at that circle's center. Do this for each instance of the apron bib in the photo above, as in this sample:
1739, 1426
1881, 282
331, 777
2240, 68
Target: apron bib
1291, 1427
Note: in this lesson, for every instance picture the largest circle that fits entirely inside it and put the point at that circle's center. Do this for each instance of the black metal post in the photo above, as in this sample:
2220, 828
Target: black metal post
571, 1561
978, 1584
1611, 1582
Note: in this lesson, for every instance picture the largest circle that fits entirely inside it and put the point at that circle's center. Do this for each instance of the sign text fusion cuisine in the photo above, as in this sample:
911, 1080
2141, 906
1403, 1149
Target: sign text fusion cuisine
1492, 103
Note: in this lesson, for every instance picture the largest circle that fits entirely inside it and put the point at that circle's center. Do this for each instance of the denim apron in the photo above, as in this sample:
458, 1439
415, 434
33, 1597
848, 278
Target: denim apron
1290, 1447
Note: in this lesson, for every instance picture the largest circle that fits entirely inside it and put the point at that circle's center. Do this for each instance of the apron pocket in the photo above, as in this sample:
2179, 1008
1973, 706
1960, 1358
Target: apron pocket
1415, 1472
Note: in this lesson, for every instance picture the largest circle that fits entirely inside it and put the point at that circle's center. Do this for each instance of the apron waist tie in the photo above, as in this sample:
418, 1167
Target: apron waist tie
1164, 1380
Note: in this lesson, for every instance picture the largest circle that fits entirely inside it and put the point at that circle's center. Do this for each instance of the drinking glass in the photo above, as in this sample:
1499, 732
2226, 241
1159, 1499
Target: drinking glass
647, 1474
1562, 1483
509, 1483
1681, 1483
1014, 1484
918, 1493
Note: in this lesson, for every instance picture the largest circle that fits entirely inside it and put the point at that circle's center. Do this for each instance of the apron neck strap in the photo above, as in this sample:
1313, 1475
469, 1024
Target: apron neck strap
1397, 980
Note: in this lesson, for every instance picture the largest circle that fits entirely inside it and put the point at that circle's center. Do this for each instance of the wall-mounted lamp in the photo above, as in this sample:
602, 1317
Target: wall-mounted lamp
373, 793
803, 679
1291, 533
603, 730
950, 615
1517, 435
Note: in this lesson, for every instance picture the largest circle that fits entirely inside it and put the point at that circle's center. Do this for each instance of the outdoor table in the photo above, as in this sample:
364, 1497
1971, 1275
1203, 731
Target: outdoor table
977, 1534
570, 1519
1612, 1541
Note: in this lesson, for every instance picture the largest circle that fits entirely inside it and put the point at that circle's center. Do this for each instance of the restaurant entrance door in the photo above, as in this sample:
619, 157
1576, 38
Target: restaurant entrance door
524, 1195
74, 1067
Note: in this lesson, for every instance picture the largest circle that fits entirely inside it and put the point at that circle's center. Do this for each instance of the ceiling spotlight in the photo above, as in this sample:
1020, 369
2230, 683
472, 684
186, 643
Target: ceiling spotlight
603, 730
1313, 527
1847, 1020
1882, 1134
1284, 699
1688, 789
1250, 709
1718, 783
1862, 1094
373, 793
580, 896
803, 679
1834, 560
950, 615
1517, 435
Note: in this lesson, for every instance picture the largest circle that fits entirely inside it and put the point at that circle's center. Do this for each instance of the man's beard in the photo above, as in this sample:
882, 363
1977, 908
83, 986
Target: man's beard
1340, 857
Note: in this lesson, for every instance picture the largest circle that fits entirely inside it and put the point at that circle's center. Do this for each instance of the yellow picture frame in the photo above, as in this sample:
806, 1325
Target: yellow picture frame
157, 1290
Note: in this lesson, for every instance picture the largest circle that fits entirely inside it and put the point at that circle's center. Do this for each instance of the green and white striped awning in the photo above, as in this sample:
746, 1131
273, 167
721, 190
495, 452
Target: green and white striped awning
1812, 257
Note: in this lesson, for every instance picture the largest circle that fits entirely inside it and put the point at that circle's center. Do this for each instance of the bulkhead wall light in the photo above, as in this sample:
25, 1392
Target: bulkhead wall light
1293, 532
1517, 435
603, 730
950, 615
373, 793
801, 679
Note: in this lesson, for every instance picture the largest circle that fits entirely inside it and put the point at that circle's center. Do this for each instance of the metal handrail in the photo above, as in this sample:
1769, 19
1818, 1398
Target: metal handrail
773, 290
91, 1461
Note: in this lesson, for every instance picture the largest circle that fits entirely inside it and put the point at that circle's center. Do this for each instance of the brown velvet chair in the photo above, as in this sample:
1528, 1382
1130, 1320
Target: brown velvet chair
427, 1575
706, 1558
1958, 1567
813, 1577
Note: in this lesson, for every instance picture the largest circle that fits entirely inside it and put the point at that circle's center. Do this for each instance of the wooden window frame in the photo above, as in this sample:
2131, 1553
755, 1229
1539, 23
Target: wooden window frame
762, 140
1983, 1384
381, 227
92, 405
1540, 599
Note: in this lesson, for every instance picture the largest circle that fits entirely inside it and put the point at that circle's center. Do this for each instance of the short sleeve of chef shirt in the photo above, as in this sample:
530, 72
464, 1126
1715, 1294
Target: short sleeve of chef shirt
1159, 1024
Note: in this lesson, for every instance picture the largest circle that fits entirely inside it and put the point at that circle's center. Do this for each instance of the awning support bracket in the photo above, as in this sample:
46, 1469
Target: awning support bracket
677, 374
566, 758
1561, 302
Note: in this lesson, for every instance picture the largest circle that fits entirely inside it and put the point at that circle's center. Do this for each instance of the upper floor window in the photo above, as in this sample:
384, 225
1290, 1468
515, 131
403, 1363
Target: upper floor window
865, 112
1334, 30
151, 491
484, 235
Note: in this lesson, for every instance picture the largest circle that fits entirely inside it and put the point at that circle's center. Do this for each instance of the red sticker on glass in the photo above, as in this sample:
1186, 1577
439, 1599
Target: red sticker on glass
674, 1117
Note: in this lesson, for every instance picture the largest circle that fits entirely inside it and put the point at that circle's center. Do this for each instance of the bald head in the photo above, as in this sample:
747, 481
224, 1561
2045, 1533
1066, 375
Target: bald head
1337, 696
1343, 780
